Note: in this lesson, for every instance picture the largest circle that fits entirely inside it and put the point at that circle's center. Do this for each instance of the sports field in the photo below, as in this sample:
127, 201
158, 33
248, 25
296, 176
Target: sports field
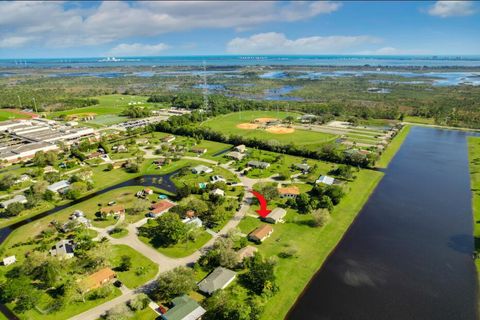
253, 124
8, 114
112, 104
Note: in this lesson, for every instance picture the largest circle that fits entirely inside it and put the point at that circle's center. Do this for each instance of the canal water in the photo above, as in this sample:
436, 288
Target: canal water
408, 255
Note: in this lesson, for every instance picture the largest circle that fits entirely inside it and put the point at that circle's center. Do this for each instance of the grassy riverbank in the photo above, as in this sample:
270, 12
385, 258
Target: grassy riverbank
393, 147
313, 244
474, 164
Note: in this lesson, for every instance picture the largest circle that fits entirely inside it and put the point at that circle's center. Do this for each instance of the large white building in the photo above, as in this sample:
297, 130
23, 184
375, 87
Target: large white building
21, 139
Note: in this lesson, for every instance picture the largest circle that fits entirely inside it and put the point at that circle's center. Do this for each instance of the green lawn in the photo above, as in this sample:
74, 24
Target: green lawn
393, 147
145, 314
70, 310
181, 249
8, 115
419, 120
313, 244
227, 124
112, 104
474, 160
142, 270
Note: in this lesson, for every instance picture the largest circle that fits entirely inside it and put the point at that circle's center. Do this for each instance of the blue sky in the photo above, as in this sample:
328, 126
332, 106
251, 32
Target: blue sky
86, 29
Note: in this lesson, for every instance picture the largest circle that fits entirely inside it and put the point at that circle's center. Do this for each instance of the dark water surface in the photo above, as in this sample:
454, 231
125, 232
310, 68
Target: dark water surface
409, 253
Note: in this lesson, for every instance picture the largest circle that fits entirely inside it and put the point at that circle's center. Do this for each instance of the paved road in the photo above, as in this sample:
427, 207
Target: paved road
165, 263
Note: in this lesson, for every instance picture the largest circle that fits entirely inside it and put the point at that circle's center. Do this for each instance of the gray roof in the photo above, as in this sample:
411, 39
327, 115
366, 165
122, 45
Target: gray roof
17, 198
302, 166
62, 247
217, 279
55, 187
185, 308
277, 214
260, 164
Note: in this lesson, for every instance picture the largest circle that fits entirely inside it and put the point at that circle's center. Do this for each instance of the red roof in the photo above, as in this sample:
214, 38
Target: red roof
161, 206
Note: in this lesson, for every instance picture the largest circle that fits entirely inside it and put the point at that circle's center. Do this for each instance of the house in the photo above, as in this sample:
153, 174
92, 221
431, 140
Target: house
218, 279
199, 150
235, 155
201, 169
142, 141
246, 252
18, 198
217, 178
22, 178
160, 207
119, 164
258, 164
195, 221
168, 139
63, 249
218, 192
98, 279
148, 191
161, 162
93, 155
306, 118
115, 210
325, 180
49, 169
122, 148
302, 166
240, 148
261, 233
275, 216
289, 192
60, 186
9, 260
184, 308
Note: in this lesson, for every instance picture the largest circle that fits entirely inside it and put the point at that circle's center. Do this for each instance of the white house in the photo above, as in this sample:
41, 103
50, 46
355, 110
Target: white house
325, 180
60, 186
18, 198
9, 260
201, 169
218, 192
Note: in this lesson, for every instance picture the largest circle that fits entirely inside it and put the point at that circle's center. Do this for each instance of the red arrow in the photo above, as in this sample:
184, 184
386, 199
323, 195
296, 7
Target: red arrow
263, 211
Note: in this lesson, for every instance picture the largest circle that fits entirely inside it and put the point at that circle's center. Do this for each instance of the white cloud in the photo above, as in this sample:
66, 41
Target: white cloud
13, 42
138, 49
52, 25
393, 51
446, 9
277, 43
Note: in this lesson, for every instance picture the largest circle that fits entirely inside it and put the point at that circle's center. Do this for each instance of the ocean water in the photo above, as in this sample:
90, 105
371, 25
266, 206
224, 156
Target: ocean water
238, 60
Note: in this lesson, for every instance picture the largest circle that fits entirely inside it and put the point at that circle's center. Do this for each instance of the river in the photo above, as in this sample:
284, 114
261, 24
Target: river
408, 255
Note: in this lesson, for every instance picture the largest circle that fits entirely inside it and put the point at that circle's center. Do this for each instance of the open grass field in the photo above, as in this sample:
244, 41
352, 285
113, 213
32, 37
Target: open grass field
181, 249
474, 162
228, 124
141, 271
392, 148
419, 120
313, 244
112, 104
6, 114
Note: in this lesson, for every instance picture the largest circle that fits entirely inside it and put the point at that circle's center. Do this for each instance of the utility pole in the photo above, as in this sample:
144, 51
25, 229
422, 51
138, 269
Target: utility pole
35, 104
19, 101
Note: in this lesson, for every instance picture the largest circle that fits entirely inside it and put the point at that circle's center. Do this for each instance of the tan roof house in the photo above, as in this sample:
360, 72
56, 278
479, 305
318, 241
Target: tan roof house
289, 192
261, 233
98, 279
115, 210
